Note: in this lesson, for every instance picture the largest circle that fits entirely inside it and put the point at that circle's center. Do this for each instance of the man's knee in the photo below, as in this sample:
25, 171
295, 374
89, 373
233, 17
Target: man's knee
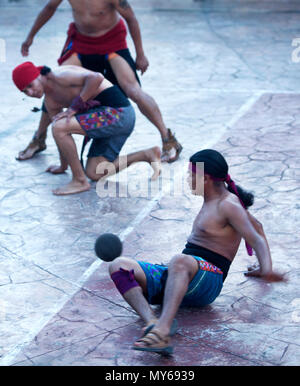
96, 170
60, 128
123, 275
121, 262
133, 91
182, 263
90, 169
92, 175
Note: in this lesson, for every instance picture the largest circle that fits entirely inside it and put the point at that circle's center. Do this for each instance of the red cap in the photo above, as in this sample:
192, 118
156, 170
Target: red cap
24, 74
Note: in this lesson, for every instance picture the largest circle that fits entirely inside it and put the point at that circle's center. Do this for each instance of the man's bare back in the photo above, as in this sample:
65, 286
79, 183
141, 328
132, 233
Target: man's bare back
65, 83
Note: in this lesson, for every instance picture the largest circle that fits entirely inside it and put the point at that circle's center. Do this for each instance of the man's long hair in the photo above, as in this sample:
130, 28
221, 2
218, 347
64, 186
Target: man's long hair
216, 166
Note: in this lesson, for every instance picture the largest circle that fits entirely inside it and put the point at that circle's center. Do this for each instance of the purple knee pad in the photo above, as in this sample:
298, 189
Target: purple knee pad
124, 280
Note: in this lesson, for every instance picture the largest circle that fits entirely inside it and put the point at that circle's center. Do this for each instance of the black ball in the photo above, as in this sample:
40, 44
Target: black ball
108, 247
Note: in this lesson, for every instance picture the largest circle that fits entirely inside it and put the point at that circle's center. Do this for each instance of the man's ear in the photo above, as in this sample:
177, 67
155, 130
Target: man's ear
206, 178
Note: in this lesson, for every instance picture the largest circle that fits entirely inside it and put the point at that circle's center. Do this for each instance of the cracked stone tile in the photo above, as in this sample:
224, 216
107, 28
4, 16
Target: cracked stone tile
58, 235
291, 356
248, 345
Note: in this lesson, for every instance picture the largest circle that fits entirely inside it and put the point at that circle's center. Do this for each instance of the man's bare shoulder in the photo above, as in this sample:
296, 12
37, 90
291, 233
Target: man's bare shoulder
69, 71
68, 68
229, 205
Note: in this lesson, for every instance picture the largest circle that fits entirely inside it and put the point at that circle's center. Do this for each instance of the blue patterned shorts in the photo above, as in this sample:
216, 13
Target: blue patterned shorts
202, 290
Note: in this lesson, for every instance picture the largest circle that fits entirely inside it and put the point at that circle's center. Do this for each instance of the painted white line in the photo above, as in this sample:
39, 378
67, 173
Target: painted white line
241, 111
9, 358
205, 90
143, 213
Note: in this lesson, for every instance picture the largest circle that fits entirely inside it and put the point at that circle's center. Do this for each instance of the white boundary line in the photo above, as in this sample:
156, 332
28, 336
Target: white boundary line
8, 359
241, 111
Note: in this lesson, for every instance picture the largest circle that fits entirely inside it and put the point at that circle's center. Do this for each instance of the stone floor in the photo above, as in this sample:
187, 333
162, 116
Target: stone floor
221, 72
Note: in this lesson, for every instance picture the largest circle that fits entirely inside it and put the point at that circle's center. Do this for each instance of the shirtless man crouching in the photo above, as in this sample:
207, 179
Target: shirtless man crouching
97, 41
96, 109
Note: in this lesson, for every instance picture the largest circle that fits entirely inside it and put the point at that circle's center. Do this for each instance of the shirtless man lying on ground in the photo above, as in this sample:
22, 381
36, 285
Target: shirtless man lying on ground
95, 109
195, 277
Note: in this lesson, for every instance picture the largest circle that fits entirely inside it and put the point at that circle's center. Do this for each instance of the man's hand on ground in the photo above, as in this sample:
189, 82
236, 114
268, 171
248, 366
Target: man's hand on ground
271, 277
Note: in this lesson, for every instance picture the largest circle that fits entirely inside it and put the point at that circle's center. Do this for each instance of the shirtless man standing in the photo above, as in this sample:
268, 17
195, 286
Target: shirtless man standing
97, 41
95, 109
195, 277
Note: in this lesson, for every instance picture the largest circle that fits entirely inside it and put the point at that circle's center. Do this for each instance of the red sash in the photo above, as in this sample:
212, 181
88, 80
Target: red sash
112, 41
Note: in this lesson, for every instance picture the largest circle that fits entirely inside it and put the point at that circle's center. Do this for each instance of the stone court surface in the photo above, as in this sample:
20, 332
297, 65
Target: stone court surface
223, 76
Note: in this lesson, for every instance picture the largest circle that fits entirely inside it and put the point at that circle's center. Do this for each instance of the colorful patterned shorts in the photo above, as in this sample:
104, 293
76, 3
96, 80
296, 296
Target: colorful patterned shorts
110, 127
202, 290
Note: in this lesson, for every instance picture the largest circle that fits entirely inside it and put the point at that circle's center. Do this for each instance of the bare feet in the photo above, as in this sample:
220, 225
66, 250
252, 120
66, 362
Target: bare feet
153, 156
54, 169
34, 147
73, 187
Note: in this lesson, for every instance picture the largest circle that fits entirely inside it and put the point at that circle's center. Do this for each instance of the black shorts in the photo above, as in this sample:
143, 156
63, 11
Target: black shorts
100, 63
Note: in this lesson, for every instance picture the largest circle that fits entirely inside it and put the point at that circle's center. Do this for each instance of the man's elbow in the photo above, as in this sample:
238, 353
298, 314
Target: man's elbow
258, 244
131, 21
259, 227
97, 78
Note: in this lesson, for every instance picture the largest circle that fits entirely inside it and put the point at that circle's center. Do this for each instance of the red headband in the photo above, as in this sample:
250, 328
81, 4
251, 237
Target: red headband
232, 185
24, 74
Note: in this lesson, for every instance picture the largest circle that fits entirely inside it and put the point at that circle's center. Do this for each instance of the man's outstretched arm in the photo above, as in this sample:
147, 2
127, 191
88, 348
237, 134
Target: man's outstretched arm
125, 10
46, 13
239, 219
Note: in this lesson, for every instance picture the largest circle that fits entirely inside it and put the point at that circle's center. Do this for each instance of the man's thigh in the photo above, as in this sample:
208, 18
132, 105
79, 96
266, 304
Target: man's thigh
123, 72
73, 60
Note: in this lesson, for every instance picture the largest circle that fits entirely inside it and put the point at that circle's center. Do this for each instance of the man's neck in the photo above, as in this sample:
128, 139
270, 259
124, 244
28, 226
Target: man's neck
214, 192
47, 82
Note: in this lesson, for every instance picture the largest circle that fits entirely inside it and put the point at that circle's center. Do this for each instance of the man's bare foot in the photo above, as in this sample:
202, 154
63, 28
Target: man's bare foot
54, 169
73, 187
153, 156
34, 147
